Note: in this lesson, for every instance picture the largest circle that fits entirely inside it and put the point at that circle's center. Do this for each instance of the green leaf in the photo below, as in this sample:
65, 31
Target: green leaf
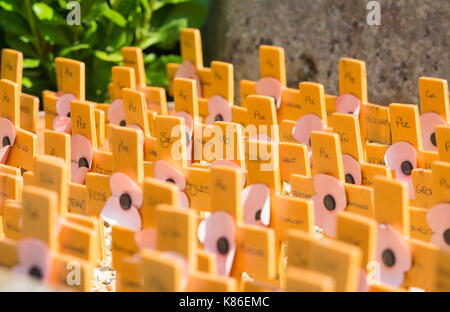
156, 72
43, 11
115, 17
66, 51
167, 35
119, 37
149, 58
115, 57
159, 16
7, 5
97, 81
171, 58
30, 63
126, 7
146, 6
26, 39
12, 6
93, 10
206, 3
55, 35
135, 20
34, 82
58, 19
161, 3
194, 12
15, 43
90, 36
114, 3
13, 23
27, 82
107, 26
62, 4
32, 73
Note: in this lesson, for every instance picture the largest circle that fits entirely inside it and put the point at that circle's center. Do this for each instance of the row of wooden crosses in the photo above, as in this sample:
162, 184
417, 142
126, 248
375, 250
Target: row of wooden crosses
293, 189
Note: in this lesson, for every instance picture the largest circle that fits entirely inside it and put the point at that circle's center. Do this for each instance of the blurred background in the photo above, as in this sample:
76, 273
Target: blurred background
413, 39
40, 30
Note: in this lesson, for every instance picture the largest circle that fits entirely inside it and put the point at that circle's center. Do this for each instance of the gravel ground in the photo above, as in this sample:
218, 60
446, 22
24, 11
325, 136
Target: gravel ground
104, 275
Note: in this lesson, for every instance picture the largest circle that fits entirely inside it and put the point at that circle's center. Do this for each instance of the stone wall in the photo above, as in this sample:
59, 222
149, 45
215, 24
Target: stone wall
413, 40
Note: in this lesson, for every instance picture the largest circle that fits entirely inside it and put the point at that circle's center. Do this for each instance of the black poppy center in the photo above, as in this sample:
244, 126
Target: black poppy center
82, 162
447, 236
349, 178
125, 201
309, 141
258, 215
222, 245
170, 180
388, 258
6, 141
218, 117
433, 139
35, 272
123, 123
68, 114
329, 202
406, 167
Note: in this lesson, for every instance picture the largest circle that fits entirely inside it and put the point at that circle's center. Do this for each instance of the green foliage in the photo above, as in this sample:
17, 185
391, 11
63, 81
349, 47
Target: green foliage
40, 30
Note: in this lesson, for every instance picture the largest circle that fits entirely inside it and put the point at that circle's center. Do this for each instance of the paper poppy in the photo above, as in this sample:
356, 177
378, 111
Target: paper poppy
352, 170
402, 158
229, 163
116, 113
219, 110
348, 104
393, 256
329, 200
438, 218
81, 158
428, 123
187, 70
34, 259
270, 87
303, 128
146, 238
166, 172
218, 235
8, 137
123, 206
62, 122
256, 203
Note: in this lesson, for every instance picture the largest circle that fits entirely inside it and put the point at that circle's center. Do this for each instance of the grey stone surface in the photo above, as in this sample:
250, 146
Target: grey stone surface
413, 40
